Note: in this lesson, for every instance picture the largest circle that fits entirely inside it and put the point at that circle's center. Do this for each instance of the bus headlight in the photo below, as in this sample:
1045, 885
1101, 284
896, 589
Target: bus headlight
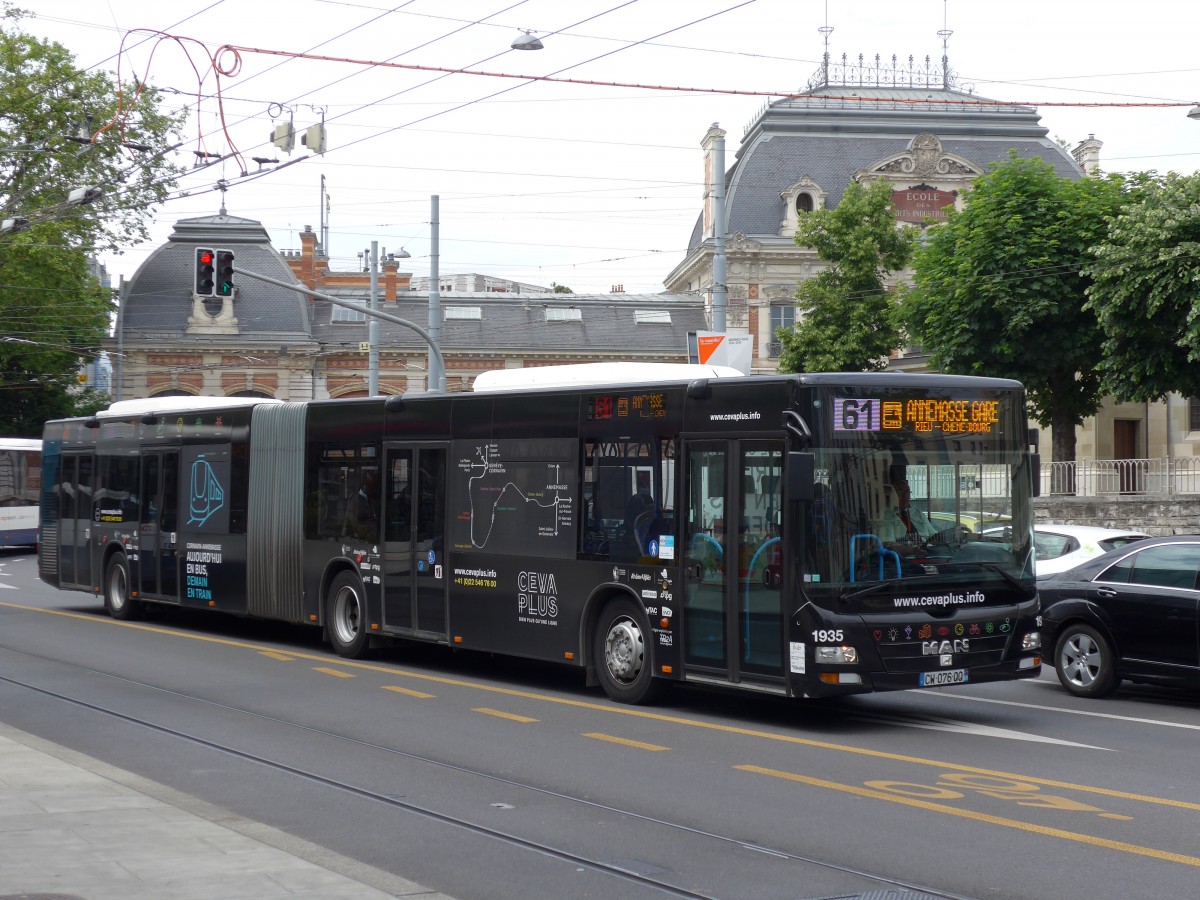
841, 655
1032, 641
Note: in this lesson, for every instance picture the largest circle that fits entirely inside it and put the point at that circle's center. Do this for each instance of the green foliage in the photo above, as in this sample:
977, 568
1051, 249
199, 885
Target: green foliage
998, 289
846, 319
1145, 292
54, 312
46, 99
562, 289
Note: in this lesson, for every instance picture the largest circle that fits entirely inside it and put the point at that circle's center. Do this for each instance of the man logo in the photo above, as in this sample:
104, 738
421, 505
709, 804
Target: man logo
936, 648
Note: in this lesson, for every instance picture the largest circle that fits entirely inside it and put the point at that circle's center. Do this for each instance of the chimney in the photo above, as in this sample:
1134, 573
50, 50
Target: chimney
391, 266
707, 144
1087, 154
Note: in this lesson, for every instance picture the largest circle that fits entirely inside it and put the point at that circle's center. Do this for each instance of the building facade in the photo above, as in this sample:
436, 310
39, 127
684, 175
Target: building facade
914, 129
276, 342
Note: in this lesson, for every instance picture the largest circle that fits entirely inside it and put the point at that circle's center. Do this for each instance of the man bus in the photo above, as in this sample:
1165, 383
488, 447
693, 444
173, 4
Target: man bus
703, 529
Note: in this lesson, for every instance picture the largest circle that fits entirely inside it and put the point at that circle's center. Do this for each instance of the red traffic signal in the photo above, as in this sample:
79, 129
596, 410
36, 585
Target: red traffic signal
205, 260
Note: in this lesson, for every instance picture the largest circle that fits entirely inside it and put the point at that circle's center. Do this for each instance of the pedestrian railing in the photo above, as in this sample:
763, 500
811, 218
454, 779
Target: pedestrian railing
1162, 477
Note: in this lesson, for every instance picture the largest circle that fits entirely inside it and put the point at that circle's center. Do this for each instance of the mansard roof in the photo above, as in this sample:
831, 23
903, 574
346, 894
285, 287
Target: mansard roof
160, 302
160, 292
837, 131
607, 323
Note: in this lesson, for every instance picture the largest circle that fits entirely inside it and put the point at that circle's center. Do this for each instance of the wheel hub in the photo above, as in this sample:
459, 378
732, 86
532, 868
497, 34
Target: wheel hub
623, 650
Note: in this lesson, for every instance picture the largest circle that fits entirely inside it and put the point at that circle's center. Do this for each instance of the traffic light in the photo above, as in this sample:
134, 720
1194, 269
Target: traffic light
205, 259
224, 273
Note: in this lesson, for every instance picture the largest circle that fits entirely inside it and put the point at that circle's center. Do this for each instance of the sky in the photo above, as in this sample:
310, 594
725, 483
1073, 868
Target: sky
596, 182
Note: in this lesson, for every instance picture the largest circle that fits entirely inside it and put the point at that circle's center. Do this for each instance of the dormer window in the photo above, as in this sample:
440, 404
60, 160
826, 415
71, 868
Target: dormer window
802, 198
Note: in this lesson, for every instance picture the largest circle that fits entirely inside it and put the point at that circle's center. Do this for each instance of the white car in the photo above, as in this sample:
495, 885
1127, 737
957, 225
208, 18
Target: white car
1058, 548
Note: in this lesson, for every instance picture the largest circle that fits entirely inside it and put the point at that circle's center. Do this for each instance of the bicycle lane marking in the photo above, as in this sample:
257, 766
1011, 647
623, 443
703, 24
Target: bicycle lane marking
959, 786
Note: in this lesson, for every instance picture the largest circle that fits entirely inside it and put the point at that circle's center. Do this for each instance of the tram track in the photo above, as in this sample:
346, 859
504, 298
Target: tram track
455, 821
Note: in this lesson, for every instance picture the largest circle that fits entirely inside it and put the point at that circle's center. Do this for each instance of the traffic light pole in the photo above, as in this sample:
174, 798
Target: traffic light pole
435, 352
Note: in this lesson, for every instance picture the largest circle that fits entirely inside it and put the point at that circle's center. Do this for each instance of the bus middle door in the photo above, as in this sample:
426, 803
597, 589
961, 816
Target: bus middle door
158, 521
414, 540
733, 626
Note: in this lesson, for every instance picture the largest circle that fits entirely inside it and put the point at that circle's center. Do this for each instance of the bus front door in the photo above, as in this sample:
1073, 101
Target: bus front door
158, 521
733, 614
414, 528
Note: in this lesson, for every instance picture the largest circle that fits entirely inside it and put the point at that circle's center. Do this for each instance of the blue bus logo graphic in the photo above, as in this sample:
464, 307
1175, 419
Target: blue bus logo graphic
207, 495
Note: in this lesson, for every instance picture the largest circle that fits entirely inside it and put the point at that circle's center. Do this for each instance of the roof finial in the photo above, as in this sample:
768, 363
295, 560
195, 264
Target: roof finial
222, 186
944, 34
825, 30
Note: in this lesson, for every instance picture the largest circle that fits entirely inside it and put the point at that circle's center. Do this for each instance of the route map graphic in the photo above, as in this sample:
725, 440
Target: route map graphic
515, 497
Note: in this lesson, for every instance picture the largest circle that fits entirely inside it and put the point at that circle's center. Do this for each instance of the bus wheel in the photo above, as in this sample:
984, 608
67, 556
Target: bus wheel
116, 590
619, 651
346, 617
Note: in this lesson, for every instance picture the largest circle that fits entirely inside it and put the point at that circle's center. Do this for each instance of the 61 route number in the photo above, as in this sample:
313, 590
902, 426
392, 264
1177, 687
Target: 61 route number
827, 636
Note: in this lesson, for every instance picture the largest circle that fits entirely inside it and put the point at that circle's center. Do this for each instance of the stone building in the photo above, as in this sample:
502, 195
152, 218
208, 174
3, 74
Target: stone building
914, 128
910, 127
276, 342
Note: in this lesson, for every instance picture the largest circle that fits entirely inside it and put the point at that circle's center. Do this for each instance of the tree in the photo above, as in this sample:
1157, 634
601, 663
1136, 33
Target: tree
846, 317
999, 288
54, 312
1145, 292
562, 289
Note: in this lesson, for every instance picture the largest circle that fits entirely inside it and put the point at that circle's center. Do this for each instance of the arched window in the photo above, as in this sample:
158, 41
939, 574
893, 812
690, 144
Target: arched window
804, 203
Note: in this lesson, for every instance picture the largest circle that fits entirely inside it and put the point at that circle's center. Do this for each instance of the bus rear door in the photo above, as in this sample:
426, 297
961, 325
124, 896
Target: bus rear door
733, 615
75, 519
158, 521
414, 539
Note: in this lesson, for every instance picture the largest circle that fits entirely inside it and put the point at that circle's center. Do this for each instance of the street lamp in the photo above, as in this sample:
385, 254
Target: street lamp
1194, 112
527, 40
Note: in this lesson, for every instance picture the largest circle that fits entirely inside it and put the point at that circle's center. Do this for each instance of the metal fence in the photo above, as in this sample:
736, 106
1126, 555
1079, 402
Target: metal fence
1162, 477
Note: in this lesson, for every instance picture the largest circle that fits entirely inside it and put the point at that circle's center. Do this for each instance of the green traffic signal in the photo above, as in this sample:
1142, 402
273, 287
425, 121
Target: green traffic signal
224, 273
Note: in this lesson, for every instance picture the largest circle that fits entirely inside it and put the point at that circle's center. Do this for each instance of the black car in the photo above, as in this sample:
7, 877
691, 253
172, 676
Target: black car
1132, 613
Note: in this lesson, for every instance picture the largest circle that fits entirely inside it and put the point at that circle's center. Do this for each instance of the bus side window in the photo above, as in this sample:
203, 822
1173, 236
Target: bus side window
362, 508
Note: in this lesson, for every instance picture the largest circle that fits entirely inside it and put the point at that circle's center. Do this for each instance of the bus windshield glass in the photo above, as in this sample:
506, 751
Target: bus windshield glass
936, 495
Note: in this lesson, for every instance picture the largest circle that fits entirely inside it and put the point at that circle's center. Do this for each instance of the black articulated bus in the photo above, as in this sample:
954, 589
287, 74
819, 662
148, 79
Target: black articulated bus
742, 532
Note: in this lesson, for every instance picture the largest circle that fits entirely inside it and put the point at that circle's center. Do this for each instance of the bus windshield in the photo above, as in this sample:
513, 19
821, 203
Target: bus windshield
939, 511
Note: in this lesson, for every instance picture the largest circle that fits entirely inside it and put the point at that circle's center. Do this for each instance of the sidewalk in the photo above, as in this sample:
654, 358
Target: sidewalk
74, 828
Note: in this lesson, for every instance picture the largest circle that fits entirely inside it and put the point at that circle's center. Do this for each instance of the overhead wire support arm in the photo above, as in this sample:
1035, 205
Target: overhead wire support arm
434, 350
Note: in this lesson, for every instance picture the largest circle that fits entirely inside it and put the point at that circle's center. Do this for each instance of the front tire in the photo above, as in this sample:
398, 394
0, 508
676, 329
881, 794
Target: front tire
1085, 661
621, 655
346, 616
117, 599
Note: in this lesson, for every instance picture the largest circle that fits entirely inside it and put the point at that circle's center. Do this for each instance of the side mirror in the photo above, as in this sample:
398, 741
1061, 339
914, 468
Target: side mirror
801, 473
1035, 469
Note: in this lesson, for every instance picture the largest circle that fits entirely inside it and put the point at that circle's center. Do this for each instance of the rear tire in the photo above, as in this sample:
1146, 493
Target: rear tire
1085, 661
117, 599
346, 616
621, 656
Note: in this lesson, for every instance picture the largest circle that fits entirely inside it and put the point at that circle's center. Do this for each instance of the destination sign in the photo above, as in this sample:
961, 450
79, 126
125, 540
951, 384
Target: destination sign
916, 415
627, 406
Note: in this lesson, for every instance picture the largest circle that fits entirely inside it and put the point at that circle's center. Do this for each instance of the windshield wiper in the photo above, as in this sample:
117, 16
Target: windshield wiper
998, 569
874, 588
